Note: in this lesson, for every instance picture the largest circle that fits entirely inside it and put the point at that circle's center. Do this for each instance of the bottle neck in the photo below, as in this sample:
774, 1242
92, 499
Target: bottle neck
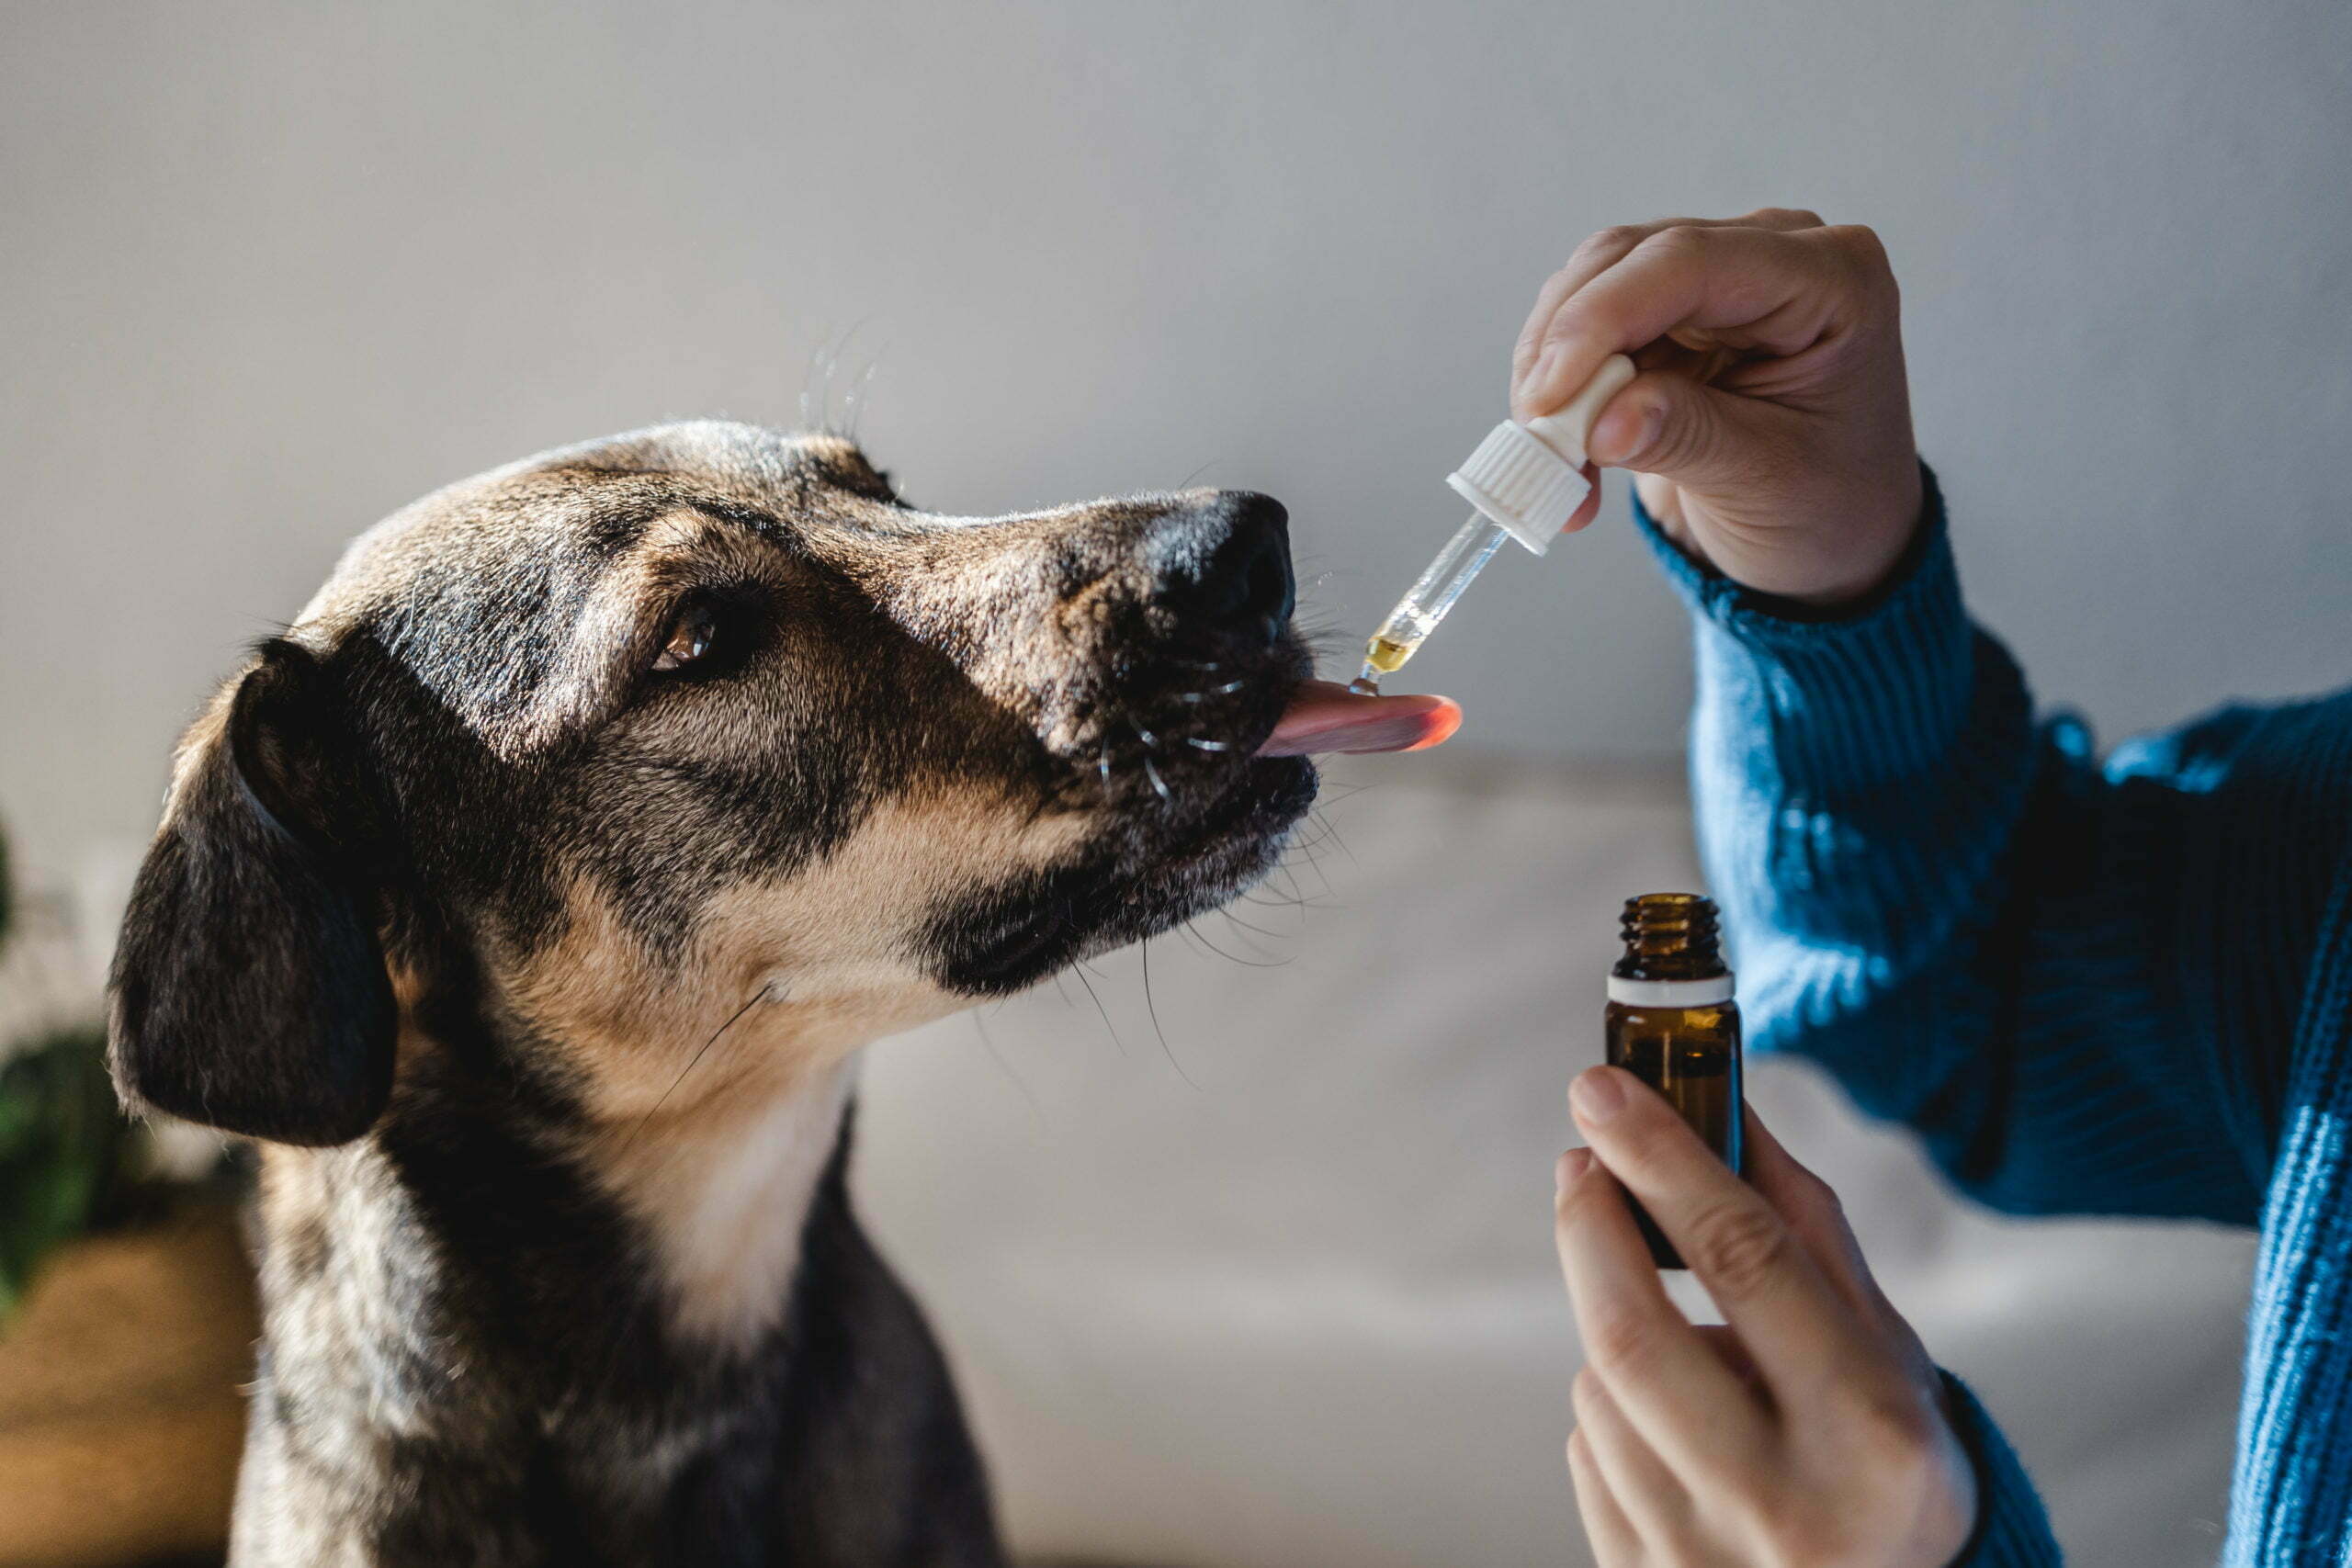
1671, 938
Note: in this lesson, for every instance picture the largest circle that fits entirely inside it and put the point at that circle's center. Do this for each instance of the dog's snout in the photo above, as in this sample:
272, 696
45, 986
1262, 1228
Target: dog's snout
1237, 580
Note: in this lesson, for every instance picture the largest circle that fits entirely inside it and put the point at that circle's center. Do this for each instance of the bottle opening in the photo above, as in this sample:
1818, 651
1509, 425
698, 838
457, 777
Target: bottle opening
1670, 936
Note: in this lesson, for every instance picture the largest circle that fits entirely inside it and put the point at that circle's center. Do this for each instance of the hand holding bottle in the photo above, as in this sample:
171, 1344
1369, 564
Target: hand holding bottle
1809, 1428
1770, 426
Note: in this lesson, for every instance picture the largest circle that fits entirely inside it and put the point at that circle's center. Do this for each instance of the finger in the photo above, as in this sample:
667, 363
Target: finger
1680, 428
1782, 219
1812, 1208
1690, 1411
1800, 1332
1589, 507
1724, 1341
1662, 499
1605, 1525
1698, 360
1747, 287
1604, 248
1652, 1499
1596, 256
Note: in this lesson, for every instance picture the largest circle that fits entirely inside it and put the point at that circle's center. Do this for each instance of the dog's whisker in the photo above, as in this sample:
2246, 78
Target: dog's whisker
817, 386
696, 1060
1315, 865
1152, 1008
854, 399
1166, 797
1203, 936
1096, 998
980, 1027
1275, 956
831, 354
1145, 736
1249, 926
1226, 690
1331, 832
1208, 744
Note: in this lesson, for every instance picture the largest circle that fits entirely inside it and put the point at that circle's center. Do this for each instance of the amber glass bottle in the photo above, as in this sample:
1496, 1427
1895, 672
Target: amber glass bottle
1672, 1023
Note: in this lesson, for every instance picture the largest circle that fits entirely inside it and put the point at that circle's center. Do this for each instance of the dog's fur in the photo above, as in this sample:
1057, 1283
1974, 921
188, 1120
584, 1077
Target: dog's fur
536, 970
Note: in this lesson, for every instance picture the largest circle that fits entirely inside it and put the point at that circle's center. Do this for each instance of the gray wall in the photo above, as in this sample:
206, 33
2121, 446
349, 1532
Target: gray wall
273, 269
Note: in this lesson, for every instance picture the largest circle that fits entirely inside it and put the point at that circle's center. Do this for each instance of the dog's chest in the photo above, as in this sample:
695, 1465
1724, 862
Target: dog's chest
723, 1198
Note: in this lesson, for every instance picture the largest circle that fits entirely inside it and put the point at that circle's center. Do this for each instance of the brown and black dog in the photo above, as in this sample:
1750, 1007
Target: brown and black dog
527, 901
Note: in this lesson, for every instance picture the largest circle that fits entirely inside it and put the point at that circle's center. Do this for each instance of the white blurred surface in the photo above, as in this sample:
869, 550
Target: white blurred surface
1280, 1291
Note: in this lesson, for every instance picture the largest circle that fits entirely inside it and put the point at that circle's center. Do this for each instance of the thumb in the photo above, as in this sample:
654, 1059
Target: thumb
1681, 430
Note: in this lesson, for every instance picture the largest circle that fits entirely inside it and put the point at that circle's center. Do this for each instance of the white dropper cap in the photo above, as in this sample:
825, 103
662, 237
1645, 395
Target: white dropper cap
1528, 479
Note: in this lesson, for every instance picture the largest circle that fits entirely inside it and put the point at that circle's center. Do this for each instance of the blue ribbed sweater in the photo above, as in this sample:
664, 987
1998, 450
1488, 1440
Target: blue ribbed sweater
2094, 989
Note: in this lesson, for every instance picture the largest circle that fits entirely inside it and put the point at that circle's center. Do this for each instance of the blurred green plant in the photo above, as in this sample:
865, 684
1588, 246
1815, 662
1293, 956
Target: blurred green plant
70, 1162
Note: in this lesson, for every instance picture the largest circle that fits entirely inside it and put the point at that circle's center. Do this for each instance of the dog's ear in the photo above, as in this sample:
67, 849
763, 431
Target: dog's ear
249, 990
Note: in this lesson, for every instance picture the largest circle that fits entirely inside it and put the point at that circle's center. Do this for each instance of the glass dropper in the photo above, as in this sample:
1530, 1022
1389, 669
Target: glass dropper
1431, 596
1526, 481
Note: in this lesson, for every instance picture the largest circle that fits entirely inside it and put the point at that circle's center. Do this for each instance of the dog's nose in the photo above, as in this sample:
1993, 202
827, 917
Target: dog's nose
1238, 579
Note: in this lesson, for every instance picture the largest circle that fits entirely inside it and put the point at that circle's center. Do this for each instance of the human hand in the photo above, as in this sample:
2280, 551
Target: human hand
1809, 1429
1770, 427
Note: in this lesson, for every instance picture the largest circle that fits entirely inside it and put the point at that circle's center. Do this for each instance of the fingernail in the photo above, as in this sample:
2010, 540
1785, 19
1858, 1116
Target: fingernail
1624, 435
1598, 1096
1571, 1168
1653, 426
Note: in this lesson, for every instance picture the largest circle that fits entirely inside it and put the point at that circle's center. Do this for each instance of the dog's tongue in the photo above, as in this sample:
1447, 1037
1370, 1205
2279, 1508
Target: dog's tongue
1327, 717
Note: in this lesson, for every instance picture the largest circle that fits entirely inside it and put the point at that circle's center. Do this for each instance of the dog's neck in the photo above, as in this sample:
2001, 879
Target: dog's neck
472, 1357
480, 1345
721, 1192
481, 1227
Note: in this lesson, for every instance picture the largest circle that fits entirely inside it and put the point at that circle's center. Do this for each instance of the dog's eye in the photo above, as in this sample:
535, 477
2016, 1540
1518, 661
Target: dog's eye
692, 637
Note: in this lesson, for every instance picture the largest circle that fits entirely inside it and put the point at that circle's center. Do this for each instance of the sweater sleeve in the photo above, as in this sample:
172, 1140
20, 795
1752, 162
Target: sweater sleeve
2012, 1530
2076, 980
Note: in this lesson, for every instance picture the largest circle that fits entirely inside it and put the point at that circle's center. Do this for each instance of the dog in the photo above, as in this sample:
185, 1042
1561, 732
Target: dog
526, 902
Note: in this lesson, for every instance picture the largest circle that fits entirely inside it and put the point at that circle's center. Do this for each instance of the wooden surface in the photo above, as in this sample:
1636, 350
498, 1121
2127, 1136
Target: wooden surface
121, 1410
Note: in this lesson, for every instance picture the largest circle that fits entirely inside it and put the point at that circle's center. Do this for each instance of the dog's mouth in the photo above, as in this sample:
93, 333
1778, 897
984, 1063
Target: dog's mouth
1154, 746
1198, 793
1017, 933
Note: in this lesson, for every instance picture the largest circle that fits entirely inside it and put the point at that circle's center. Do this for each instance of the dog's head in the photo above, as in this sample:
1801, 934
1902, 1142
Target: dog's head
616, 744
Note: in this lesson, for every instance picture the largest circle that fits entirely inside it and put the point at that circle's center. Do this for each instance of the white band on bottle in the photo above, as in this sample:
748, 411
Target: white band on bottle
1670, 993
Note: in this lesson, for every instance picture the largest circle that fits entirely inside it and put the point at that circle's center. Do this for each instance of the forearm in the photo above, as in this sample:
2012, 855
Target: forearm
1860, 780
1953, 910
